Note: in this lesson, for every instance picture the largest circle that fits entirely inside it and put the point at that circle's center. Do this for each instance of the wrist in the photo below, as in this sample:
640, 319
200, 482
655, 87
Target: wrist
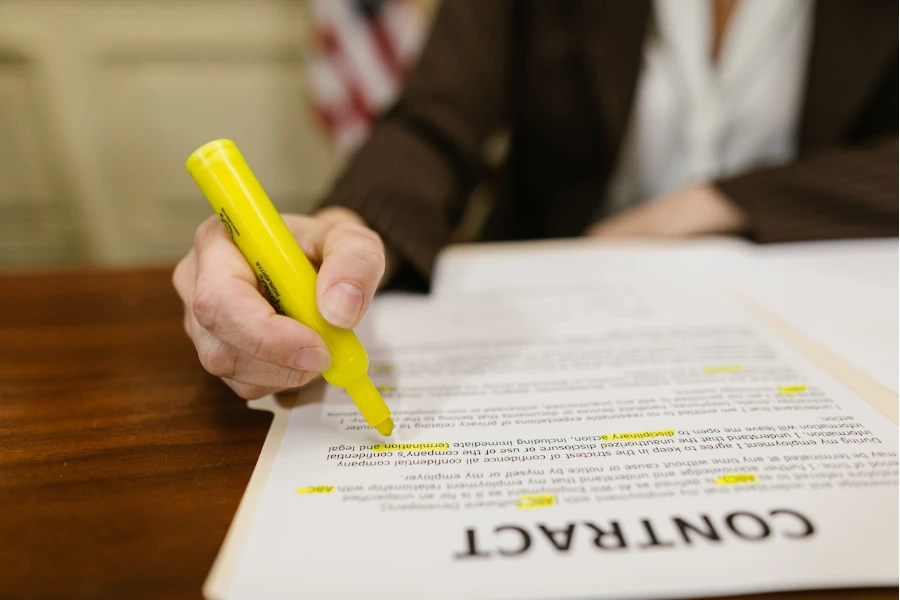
723, 215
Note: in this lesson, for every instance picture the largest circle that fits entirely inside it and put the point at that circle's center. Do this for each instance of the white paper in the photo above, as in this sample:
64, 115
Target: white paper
843, 295
474, 269
840, 294
516, 391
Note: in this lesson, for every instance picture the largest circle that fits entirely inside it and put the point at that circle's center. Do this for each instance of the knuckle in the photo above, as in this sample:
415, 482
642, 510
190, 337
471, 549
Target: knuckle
289, 378
357, 230
182, 277
368, 254
219, 359
203, 231
178, 275
205, 308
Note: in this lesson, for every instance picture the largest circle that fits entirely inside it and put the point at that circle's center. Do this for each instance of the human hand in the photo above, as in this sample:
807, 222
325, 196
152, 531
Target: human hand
691, 211
238, 335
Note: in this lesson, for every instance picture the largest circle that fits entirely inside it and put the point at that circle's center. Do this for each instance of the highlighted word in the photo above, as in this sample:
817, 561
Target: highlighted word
384, 388
724, 369
788, 390
401, 447
536, 500
735, 478
637, 435
315, 489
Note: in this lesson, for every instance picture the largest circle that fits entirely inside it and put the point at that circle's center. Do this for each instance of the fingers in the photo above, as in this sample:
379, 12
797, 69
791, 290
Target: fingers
227, 303
238, 335
352, 265
226, 361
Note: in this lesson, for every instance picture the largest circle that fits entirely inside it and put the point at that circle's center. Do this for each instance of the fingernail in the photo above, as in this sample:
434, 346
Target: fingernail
342, 304
312, 359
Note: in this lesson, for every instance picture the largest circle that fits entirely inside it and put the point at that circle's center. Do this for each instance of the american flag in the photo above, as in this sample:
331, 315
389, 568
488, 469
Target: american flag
363, 51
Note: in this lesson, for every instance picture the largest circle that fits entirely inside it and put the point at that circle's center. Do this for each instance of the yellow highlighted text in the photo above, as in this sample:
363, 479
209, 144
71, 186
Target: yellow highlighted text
315, 489
637, 435
384, 388
724, 369
536, 500
787, 390
735, 478
404, 447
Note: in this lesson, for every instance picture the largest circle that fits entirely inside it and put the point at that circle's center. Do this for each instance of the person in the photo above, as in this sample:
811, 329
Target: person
771, 119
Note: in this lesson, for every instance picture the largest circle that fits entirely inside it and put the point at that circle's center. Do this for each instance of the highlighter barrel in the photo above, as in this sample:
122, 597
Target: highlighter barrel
264, 239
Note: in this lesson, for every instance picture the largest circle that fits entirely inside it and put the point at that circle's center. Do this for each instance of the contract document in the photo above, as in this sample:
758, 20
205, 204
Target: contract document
840, 294
641, 435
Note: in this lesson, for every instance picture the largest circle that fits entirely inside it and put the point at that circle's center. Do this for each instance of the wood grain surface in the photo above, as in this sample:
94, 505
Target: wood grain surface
121, 461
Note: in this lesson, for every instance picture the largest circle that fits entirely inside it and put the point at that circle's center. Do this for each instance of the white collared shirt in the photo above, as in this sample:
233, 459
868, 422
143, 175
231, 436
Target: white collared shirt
693, 120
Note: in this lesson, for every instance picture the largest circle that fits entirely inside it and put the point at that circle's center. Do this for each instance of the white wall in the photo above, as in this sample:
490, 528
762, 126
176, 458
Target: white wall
101, 102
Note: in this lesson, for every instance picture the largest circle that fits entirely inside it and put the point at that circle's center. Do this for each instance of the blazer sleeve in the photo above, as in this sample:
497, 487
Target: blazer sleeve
836, 193
846, 189
410, 180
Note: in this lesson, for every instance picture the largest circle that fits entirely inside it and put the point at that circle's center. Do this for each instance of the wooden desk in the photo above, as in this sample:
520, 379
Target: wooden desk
121, 461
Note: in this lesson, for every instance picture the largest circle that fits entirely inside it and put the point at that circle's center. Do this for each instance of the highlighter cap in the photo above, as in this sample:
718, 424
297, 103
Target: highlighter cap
222, 149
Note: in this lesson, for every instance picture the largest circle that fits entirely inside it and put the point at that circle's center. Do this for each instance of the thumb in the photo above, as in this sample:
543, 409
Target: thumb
352, 266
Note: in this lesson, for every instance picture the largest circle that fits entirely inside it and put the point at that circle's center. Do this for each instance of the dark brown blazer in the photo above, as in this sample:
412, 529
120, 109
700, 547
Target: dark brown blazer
560, 76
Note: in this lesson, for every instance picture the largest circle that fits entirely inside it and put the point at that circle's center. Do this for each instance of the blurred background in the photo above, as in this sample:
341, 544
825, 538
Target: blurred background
102, 101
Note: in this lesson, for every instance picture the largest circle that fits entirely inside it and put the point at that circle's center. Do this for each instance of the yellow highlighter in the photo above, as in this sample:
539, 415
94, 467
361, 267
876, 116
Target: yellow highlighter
266, 242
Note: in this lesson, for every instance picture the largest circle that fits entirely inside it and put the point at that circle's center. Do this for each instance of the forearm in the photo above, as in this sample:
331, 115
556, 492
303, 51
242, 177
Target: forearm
692, 211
